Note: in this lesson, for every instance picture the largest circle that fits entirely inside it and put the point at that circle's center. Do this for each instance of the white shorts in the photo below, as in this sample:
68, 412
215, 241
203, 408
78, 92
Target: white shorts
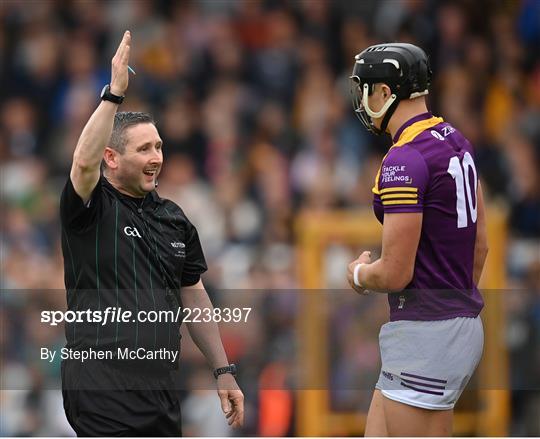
428, 364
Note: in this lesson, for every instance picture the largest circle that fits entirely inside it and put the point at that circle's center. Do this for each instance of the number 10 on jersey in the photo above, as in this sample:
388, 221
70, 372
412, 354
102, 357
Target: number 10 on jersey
460, 174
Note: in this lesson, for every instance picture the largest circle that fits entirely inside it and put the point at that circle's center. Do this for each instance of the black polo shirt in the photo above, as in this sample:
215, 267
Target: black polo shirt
129, 253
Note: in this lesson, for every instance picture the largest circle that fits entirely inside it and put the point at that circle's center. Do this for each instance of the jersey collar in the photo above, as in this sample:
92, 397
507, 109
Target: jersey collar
415, 119
155, 197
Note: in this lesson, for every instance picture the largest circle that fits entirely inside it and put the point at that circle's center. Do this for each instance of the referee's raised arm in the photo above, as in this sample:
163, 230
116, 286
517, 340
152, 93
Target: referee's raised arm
85, 169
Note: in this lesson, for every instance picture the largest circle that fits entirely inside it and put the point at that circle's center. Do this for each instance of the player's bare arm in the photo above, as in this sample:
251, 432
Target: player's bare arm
481, 243
97, 131
394, 270
207, 338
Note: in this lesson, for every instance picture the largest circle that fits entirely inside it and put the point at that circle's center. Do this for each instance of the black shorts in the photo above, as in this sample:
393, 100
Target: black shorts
101, 399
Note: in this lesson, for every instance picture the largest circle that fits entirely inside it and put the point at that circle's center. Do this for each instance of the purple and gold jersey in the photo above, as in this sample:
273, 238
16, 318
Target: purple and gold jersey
430, 169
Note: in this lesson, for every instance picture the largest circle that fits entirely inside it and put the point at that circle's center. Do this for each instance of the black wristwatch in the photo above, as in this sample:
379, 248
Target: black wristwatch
106, 95
231, 368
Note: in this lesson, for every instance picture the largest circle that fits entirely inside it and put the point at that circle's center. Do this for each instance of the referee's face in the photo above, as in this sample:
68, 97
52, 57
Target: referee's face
140, 164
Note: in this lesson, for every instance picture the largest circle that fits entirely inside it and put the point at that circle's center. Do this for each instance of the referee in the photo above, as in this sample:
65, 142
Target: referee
128, 250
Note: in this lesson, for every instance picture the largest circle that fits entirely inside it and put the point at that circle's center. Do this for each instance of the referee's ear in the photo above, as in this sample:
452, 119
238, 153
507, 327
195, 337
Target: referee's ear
110, 159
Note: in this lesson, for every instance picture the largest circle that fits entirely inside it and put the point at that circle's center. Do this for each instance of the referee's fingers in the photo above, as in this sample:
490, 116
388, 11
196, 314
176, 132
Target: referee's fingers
238, 409
225, 403
232, 416
232, 404
127, 47
121, 43
238, 419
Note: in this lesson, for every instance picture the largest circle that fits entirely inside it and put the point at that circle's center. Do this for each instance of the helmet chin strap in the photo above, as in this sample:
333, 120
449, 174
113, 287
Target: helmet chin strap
387, 116
369, 111
387, 110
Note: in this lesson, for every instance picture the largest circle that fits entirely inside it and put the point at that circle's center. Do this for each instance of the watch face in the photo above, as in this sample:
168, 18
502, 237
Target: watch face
104, 90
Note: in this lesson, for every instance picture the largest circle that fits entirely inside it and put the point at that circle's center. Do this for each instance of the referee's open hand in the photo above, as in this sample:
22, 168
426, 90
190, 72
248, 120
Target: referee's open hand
232, 400
119, 64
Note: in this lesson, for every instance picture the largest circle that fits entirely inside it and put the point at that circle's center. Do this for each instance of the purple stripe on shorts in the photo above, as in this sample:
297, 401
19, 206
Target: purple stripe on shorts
435, 380
432, 386
422, 390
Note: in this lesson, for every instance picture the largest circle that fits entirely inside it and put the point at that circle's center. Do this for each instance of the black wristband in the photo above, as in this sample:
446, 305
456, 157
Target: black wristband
106, 95
231, 368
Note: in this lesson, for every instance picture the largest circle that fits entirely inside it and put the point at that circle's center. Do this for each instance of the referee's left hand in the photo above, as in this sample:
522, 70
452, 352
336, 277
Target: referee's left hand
232, 400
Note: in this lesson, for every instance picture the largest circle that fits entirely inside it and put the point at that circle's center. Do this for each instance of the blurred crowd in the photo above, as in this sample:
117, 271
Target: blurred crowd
252, 101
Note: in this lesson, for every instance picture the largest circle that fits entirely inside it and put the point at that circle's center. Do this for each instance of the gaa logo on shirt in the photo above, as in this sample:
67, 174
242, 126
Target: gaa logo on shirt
132, 231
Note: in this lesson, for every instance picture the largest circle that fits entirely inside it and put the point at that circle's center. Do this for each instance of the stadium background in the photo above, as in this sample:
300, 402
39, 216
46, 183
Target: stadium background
252, 101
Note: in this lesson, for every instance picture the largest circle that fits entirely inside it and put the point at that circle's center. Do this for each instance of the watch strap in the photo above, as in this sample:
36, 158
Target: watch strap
231, 368
106, 95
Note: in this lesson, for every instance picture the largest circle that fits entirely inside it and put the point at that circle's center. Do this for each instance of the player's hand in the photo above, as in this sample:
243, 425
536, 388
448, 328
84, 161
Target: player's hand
364, 258
232, 400
119, 63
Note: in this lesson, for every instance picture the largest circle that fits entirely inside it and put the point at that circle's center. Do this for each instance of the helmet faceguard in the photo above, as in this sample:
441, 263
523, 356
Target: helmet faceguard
360, 94
403, 67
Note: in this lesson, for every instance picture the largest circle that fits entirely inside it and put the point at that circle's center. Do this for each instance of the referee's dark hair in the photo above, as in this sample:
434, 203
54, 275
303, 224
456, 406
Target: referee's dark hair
122, 121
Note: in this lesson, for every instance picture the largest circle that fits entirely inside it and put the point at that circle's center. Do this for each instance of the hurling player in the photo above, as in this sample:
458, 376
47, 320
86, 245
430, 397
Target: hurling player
429, 200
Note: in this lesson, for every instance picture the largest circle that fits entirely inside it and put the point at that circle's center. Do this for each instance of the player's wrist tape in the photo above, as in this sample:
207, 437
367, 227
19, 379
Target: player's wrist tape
356, 275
